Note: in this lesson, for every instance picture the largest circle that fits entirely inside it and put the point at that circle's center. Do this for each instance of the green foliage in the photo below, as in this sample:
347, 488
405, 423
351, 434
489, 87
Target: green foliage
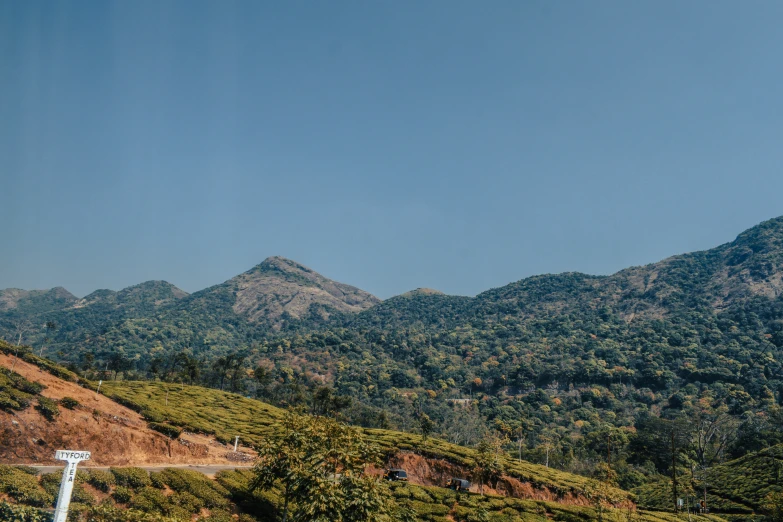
101, 480
150, 500
488, 464
168, 430
156, 479
133, 478
16, 392
23, 487
319, 464
105, 513
211, 493
51, 483
187, 501
773, 506
12, 513
69, 402
122, 494
747, 483
48, 408
215, 412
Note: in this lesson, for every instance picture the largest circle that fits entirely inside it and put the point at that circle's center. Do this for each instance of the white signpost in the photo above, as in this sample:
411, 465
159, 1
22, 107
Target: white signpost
66, 485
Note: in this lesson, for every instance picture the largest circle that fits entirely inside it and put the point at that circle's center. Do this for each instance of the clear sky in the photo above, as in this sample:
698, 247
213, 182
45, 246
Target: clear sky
389, 144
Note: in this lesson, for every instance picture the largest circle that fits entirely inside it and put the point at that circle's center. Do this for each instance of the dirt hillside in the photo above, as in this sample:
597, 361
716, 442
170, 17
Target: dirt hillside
116, 435
435, 472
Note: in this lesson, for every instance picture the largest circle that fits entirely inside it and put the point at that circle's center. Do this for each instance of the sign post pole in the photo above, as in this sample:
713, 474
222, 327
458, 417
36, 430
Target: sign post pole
66, 484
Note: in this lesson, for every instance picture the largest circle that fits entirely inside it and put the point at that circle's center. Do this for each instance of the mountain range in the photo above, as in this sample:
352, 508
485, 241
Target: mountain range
279, 293
556, 359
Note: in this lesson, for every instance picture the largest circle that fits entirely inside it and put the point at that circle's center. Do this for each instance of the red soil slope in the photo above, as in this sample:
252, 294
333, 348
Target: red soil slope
116, 435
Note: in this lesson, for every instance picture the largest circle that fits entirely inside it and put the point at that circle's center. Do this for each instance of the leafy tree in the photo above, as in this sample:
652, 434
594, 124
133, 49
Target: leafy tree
773, 507
487, 464
319, 464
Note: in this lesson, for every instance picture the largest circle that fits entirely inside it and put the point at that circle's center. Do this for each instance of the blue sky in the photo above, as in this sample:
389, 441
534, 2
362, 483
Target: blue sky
391, 145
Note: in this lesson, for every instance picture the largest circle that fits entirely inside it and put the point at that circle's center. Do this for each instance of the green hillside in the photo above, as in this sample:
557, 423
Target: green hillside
177, 495
226, 415
747, 481
570, 369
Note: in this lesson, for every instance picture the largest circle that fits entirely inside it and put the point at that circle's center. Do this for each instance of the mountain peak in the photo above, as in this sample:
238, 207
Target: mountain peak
38, 300
283, 265
280, 286
422, 291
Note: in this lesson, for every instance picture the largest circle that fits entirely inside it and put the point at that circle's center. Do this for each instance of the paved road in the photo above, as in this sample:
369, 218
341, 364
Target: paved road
206, 469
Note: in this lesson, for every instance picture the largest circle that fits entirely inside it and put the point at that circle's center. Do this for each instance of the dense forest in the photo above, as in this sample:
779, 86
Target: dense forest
660, 371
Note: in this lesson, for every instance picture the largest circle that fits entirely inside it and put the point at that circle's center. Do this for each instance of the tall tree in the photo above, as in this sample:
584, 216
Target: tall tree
319, 464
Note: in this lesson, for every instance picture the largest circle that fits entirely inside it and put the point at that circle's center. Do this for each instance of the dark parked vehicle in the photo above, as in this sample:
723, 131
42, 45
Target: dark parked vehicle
396, 474
458, 484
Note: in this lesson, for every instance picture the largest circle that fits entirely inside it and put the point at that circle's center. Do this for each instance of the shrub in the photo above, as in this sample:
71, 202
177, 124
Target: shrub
122, 495
178, 513
23, 487
69, 402
188, 502
150, 500
106, 513
27, 469
51, 484
22, 513
101, 480
134, 478
152, 416
48, 408
211, 493
219, 515
156, 479
166, 429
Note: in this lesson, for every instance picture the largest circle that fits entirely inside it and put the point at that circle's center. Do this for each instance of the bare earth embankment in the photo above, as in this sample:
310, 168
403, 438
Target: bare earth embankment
116, 435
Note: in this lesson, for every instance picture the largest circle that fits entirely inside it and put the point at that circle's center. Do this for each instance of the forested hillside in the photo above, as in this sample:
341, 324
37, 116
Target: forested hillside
573, 370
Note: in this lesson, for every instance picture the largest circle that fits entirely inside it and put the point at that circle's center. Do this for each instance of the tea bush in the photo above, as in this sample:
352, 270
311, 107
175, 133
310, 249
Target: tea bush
69, 402
134, 478
15, 513
23, 487
27, 469
166, 429
150, 500
48, 408
187, 501
100, 480
122, 495
210, 492
156, 479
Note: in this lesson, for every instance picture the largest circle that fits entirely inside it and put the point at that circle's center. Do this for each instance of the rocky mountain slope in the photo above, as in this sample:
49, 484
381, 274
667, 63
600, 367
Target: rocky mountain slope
156, 314
280, 287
